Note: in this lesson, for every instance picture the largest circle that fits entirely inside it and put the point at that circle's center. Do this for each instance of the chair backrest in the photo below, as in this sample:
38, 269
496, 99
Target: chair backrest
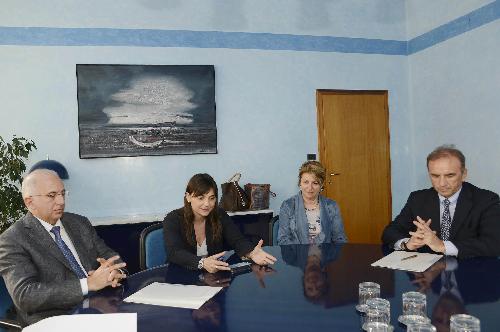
276, 224
6, 304
152, 249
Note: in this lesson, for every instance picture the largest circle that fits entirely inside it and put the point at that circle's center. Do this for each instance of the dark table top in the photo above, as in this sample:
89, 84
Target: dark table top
310, 289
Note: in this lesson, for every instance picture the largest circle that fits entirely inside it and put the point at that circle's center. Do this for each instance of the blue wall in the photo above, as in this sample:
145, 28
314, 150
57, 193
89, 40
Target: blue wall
269, 57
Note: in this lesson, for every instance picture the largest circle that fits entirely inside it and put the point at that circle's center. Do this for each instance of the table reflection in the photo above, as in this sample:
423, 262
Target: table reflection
311, 287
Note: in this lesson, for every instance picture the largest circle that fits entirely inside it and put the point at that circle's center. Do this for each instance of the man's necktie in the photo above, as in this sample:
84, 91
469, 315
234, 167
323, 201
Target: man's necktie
67, 253
446, 221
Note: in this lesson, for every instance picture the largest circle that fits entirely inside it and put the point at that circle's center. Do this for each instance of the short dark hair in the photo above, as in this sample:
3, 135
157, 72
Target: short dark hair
444, 151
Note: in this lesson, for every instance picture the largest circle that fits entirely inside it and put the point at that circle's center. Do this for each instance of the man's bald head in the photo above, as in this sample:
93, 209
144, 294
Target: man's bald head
44, 195
32, 180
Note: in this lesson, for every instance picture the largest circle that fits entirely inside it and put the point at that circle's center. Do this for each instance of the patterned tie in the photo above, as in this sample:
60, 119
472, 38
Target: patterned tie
446, 221
67, 253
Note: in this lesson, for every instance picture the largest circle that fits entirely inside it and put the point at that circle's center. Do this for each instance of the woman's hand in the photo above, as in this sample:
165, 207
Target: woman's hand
261, 257
212, 263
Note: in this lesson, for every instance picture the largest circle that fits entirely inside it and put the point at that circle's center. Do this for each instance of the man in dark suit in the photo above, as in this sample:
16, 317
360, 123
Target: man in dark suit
50, 259
454, 217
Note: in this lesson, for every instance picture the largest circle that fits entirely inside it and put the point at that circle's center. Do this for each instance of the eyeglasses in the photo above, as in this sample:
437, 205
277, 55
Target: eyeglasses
53, 194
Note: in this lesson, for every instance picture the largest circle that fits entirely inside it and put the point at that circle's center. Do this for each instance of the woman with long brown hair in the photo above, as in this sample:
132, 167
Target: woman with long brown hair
196, 235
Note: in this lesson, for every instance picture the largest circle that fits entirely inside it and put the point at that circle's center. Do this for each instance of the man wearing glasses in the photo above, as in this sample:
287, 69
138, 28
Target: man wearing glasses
50, 260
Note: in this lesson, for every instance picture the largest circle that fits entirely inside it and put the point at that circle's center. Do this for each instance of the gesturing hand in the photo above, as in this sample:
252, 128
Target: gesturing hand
417, 237
108, 274
259, 256
212, 263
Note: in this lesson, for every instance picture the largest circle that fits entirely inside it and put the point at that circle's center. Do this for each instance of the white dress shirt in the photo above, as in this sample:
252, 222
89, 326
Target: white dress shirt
450, 248
69, 243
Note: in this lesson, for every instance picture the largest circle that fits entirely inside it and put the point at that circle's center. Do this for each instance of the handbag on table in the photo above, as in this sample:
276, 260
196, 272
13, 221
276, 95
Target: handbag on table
233, 196
259, 195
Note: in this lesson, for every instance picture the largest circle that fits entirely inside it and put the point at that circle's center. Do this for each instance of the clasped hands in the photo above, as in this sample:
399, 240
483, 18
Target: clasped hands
424, 235
108, 274
213, 263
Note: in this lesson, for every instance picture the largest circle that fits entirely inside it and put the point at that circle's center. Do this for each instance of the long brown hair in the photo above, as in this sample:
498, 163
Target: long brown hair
198, 185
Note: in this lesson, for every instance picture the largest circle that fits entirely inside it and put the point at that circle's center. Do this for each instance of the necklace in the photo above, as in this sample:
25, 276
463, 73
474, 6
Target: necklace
316, 204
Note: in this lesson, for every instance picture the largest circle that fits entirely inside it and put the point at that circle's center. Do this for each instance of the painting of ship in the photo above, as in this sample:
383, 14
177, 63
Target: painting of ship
128, 110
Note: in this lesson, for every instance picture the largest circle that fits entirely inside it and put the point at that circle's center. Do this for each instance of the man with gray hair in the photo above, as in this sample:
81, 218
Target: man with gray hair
51, 259
453, 217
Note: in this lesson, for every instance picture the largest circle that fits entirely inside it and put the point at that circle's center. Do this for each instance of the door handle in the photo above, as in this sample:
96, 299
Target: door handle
332, 174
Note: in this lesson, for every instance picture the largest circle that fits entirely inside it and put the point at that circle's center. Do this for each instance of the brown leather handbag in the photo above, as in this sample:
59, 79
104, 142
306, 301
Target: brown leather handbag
233, 197
259, 195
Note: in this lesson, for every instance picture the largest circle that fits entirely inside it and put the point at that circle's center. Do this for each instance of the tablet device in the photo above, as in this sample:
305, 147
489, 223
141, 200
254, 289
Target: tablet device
226, 255
242, 267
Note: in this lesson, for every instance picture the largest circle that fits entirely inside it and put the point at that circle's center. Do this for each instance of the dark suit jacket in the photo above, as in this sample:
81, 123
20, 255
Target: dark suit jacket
38, 276
182, 253
475, 228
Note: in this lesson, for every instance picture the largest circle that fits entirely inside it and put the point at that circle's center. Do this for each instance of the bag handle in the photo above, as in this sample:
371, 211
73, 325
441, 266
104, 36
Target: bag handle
235, 178
239, 193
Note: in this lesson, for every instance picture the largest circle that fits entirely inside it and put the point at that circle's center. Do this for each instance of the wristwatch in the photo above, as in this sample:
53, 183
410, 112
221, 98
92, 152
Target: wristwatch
200, 264
403, 246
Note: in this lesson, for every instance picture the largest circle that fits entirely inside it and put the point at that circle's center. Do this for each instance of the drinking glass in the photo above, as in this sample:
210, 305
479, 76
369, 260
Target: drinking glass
378, 310
414, 308
379, 327
464, 323
420, 327
367, 290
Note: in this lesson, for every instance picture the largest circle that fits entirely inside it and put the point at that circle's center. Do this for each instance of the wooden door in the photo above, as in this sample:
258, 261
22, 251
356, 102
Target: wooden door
353, 136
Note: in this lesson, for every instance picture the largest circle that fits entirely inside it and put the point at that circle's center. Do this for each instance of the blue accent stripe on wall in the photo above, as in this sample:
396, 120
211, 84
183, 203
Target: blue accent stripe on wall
474, 19
38, 36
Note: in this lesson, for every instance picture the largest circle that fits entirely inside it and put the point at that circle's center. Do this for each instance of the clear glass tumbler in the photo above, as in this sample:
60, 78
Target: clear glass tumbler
464, 323
378, 310
367, 290
414, 308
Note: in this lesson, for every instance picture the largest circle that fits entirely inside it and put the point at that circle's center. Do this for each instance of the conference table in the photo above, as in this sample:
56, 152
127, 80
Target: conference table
311, 288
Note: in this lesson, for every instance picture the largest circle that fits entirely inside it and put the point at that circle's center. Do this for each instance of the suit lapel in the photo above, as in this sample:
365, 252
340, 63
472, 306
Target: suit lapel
433, 211
464, 205
39, 235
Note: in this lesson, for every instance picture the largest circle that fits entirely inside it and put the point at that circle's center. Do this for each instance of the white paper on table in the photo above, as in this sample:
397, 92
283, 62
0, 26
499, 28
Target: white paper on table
174, 295
420, 263
85, 323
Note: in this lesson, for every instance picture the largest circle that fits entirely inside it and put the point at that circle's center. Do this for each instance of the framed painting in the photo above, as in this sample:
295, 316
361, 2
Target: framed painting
145, 110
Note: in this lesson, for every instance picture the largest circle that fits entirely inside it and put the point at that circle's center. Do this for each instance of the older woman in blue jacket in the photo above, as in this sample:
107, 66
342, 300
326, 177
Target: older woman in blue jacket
308, 217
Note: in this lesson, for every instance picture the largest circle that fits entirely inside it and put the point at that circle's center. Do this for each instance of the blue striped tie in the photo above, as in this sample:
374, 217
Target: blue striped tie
67, 253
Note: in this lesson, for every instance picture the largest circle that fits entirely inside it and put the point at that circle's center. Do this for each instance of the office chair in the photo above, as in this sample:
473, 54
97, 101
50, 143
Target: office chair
5, 305
275, 222
152, 249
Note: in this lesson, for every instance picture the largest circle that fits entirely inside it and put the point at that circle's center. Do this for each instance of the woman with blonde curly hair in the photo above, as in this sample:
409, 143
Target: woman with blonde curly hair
309, 217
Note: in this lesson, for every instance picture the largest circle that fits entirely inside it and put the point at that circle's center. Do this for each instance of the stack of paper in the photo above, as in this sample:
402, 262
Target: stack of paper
408, 261
173, 295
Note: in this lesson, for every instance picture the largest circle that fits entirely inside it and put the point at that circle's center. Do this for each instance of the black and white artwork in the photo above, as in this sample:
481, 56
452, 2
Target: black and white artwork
138, 110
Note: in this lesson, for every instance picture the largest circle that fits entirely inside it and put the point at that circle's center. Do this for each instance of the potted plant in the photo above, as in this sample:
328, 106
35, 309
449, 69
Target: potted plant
12, 166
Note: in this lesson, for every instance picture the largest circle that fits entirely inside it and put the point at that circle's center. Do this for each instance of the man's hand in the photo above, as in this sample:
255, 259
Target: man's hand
212, 263
261, 257
417, 238
428, 236
108, 274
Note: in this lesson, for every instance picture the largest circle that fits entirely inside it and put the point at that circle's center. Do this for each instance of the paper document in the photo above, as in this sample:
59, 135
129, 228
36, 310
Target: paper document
408, 261
126, 322
174, 295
